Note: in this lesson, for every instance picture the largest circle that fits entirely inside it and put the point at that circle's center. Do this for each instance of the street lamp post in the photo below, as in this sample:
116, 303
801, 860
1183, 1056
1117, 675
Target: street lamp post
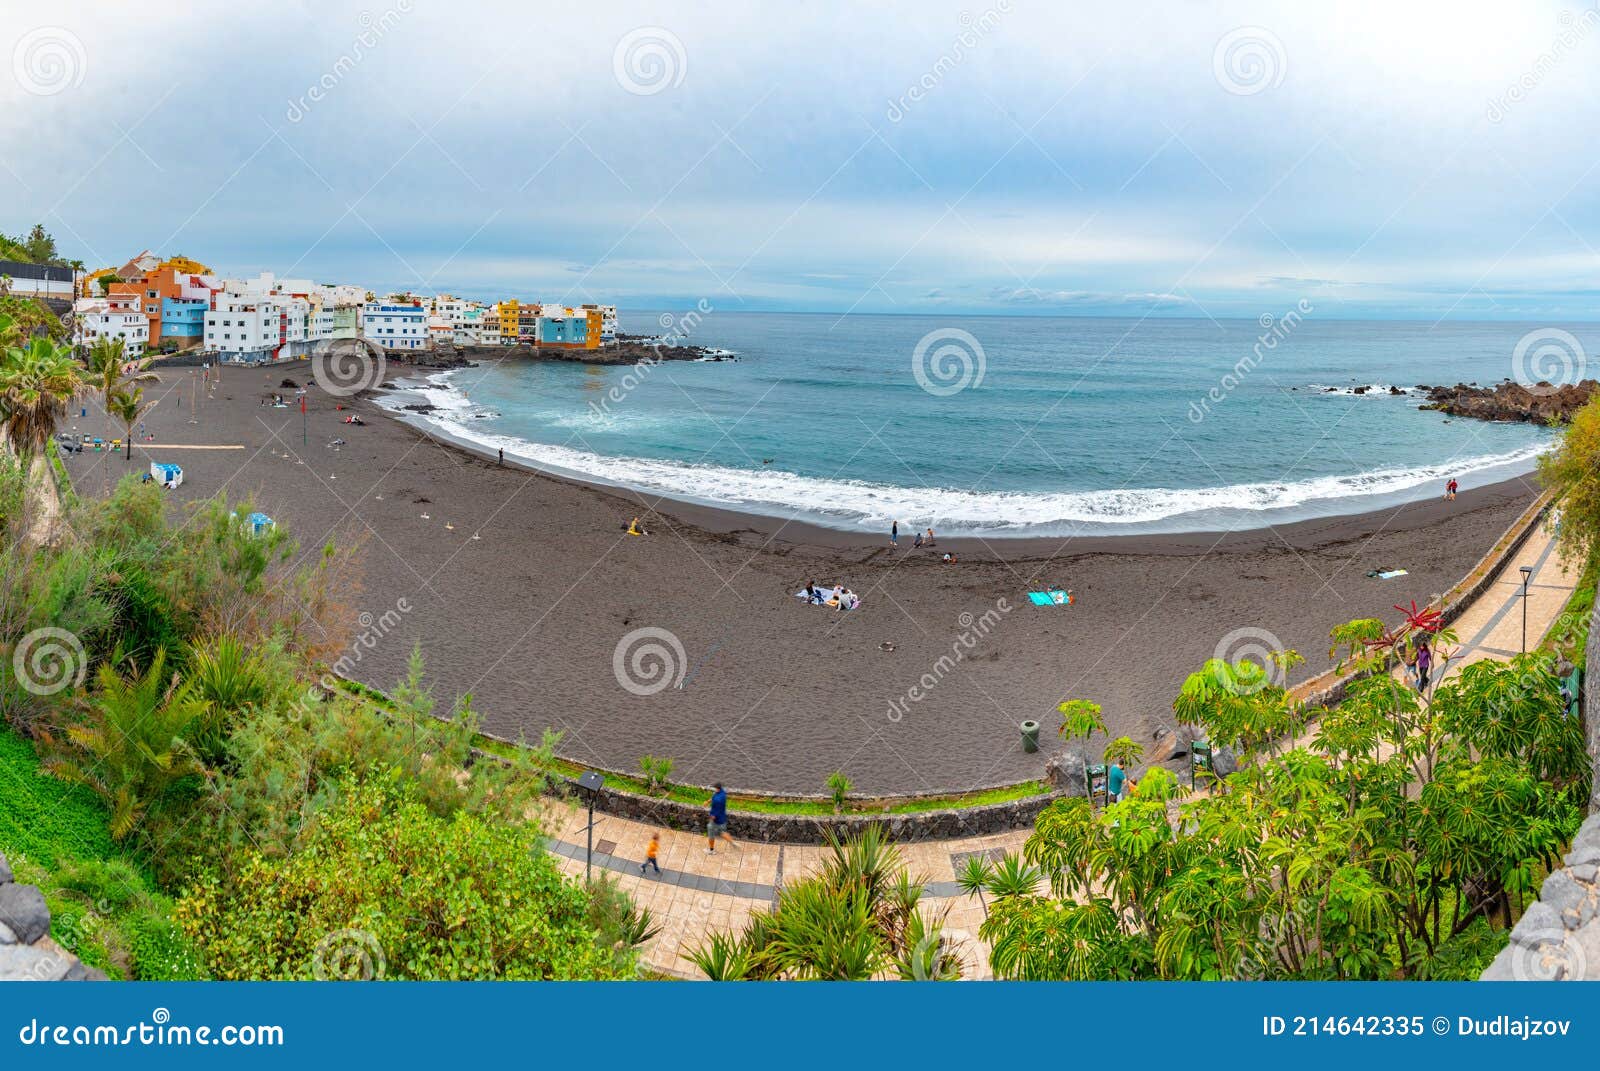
1527, 574
590, 782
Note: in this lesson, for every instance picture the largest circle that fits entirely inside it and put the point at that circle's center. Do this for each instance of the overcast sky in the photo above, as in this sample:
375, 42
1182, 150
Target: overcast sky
1420, 160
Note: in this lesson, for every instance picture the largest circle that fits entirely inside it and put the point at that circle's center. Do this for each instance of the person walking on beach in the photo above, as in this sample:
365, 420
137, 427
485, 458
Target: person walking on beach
894, 534
502, 460
651, 852
717, 826
1450, 490
929, 541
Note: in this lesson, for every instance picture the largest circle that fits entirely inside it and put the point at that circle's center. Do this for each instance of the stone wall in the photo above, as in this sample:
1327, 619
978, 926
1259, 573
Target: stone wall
813, 828
26, 952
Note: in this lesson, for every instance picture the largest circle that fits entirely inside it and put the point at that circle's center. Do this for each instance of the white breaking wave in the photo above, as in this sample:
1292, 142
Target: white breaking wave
855, 504
1360, 390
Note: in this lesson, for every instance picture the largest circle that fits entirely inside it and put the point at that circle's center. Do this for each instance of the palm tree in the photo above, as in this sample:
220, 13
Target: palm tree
109, 372
129, 407
974, 878
37, 380
131, 750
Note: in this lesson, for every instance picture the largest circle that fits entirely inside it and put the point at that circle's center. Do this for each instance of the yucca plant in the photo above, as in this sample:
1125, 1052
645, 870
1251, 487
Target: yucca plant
231, 681
839, 787
974, 877
656, 772
858, 917
1013, 876
131, 748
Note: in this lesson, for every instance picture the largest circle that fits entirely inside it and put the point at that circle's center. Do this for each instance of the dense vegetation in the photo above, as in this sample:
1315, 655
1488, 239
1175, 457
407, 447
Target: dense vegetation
191, 798
35, 247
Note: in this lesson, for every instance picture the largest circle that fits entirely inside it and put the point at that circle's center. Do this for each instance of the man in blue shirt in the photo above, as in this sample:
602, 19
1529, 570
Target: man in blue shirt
1115, 779
717, 827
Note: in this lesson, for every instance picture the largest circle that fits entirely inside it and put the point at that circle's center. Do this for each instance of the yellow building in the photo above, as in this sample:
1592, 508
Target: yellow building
185, 266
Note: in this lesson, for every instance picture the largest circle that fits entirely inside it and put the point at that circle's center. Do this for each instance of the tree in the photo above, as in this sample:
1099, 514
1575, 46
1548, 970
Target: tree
37, 380
1572, 470
1393, 846
128, 406
40, 246
109, 371
131, 749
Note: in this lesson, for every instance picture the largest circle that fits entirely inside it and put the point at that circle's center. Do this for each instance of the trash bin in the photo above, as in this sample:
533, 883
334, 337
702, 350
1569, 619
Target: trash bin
1030, 736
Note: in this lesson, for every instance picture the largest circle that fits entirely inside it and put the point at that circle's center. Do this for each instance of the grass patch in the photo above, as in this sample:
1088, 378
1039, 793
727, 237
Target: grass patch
1569, 635
695, 796
104, 907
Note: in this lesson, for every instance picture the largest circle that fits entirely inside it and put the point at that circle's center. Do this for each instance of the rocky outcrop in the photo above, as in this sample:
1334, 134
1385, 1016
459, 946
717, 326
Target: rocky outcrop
1541, 403
1558, 938
26, 952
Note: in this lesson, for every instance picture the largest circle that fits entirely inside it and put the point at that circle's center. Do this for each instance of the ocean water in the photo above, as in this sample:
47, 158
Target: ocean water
1012, 426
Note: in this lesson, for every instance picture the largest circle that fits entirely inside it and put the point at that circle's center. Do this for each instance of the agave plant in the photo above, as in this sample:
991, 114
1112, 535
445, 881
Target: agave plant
1014, 876
974, 877
230, 680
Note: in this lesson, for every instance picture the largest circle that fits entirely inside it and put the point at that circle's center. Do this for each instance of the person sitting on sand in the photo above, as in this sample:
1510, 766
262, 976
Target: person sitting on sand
949, 559
634, 529
835, 597
917, 542
813, 596
850, 600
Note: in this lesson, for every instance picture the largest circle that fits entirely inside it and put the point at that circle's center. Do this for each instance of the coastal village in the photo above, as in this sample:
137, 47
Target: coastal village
172, 305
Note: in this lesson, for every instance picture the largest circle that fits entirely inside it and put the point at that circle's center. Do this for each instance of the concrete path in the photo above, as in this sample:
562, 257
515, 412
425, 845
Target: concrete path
697, 894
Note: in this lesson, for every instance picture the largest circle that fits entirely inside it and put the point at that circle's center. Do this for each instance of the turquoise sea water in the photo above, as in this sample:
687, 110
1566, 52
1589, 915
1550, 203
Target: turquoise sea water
1073, 425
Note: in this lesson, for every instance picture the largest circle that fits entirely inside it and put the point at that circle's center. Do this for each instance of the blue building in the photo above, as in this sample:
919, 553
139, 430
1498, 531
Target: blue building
570, 330
183, 319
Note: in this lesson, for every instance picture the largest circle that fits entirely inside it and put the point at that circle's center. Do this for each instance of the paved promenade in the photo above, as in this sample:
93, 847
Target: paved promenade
697, 894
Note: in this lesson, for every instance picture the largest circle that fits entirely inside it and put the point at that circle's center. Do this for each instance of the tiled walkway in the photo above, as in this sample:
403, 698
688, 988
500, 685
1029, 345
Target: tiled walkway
696, 894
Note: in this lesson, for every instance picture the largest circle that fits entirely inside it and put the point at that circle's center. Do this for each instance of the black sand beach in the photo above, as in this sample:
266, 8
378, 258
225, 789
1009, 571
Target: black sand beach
521, 586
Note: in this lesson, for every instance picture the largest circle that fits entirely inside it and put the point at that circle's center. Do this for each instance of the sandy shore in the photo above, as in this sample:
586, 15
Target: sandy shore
522, 585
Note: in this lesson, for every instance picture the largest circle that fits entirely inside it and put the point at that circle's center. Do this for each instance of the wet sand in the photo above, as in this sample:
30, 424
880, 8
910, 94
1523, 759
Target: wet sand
769, 694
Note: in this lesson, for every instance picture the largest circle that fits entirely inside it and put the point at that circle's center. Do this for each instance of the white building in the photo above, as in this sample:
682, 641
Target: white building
242, 327
95, 319
395, 327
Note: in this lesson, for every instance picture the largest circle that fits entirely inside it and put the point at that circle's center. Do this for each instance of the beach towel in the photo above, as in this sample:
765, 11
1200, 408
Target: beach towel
826, 592
1387, 574
1050, 598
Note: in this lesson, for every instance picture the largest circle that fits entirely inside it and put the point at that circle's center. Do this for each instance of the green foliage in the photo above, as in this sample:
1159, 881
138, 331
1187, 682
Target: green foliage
839, 787
1080, 719
1392, 848
419, 896
656, 773
43, 819
132, 749
1572, 470
859, 917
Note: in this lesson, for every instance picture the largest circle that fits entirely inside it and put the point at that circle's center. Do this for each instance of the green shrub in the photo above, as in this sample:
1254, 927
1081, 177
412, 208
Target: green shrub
380, 887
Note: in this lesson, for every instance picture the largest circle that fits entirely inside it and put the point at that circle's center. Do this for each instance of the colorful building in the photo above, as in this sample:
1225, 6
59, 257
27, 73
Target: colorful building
565, 327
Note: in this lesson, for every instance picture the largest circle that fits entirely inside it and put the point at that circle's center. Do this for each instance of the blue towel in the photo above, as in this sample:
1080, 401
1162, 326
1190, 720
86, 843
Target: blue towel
1039, 598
